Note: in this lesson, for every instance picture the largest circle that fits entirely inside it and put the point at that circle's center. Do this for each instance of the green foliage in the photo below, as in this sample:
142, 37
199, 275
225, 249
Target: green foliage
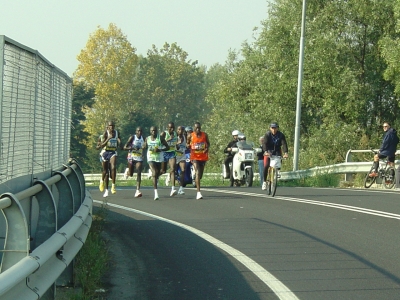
323, 180
170, 87
350, 82
92, 259
135, 91
82, 97
108, 64
345, 96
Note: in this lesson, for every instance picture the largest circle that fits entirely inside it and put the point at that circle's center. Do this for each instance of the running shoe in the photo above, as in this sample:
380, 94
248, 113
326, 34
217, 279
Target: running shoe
138, 194
264, 186
113, 190
101, 186
173, 192
105, 194
199, 196
126, 174
181, 191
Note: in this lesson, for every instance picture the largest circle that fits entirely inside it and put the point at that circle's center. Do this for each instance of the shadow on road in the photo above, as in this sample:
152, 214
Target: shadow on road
152, 259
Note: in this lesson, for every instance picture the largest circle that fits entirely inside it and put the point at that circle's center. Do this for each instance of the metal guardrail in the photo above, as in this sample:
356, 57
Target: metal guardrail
343, 168
31, 264
347, 168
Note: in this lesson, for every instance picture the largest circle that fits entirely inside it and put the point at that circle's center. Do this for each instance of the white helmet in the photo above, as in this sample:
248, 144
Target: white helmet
235, 132
241, 137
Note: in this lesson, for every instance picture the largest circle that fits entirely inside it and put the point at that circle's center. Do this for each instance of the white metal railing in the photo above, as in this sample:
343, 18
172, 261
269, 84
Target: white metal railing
62, 225
348, 168
343, 168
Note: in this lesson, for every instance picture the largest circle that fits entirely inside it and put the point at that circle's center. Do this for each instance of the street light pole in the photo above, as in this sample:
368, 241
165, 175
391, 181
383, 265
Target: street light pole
299, 90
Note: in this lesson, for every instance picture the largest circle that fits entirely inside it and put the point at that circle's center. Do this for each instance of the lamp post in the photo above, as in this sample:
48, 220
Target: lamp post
299, 89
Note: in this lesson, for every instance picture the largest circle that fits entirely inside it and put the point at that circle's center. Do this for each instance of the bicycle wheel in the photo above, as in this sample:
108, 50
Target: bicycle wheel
274, 181
269, 181
368, 181
389, 179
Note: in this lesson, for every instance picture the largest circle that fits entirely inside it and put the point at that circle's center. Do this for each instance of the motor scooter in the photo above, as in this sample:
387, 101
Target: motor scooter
242, 165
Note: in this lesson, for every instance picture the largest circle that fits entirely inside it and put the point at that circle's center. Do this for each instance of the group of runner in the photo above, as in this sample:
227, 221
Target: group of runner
163, 149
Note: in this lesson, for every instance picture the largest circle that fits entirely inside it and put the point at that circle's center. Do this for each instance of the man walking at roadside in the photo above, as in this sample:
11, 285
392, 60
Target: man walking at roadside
260, 159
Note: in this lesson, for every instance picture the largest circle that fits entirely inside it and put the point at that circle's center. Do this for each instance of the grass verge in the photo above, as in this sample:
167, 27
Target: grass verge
91, 263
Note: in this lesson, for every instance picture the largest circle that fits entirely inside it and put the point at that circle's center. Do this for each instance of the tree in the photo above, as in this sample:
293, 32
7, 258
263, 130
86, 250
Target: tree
82, 97
345, 96
171, 87
108, 64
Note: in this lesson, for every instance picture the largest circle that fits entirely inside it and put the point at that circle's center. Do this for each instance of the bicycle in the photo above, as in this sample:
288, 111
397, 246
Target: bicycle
272, 176
386, 172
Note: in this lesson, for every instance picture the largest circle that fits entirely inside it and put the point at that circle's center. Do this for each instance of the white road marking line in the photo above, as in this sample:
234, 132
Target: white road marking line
314, 202
270, 280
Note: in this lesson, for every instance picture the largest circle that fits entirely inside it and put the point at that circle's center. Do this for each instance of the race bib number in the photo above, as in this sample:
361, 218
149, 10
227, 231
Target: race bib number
112, 143
199, 147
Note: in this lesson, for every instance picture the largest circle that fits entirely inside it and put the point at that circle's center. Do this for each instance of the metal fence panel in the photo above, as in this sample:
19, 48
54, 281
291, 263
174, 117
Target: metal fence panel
35, 112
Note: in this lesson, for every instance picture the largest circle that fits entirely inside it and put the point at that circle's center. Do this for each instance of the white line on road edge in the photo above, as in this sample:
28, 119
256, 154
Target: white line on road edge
270, 280
314, 202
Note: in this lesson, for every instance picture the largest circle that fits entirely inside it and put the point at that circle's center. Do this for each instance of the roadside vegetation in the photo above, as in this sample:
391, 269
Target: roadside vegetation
350, 83
91, 263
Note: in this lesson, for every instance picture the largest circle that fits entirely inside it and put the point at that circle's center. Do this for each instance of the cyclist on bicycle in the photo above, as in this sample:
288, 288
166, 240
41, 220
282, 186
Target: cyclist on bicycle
388, 148
274, 141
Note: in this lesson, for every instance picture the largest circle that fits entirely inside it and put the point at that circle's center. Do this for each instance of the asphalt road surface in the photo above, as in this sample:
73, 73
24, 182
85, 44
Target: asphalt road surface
238, 243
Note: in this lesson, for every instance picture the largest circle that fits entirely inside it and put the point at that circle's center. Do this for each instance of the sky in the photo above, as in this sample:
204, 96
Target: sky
205, 29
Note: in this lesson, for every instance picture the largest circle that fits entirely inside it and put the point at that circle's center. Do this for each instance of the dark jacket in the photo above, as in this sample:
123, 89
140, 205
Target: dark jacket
231, 144
389, 143
273, 143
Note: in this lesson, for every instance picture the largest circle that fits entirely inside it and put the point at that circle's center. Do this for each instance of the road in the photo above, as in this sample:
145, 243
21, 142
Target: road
238, 243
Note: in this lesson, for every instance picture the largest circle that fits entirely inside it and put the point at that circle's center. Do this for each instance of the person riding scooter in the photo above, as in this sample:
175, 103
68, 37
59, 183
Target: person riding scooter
228, 150
242, 169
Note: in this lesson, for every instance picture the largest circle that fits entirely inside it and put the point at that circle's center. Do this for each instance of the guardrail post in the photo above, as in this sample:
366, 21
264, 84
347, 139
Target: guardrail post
47, 219
81, 177
76, 186
65, 211
47, 224
348, 176
16, 245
